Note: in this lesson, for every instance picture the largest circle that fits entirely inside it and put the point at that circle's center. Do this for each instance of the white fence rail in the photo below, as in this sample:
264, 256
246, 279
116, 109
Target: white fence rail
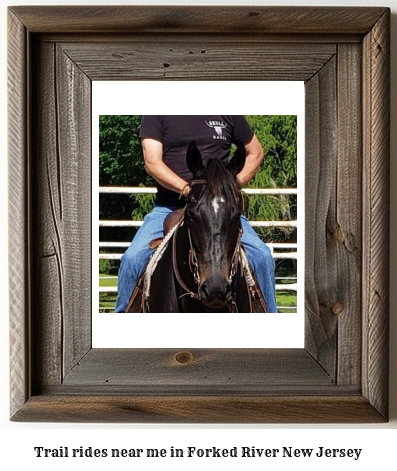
128, 223
151, 190
292, 252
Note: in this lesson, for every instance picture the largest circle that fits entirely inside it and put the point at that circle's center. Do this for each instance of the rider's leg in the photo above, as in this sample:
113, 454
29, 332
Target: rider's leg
137, 255
262, 263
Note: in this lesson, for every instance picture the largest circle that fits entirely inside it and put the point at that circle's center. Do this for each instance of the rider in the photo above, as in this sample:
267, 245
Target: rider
164, 141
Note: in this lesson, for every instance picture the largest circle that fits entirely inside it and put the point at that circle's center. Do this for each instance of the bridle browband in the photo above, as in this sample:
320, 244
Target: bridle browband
193, 261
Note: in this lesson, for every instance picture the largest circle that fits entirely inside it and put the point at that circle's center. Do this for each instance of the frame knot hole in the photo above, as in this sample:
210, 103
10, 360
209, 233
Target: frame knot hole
338, 235
183, 358
337, 308
347, 240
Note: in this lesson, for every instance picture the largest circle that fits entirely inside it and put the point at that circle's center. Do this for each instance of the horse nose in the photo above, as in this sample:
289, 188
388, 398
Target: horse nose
215, 291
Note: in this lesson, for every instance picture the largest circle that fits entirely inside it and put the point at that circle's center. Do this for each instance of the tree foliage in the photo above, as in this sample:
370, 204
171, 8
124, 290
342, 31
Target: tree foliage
278, 137
120, 154
121, 164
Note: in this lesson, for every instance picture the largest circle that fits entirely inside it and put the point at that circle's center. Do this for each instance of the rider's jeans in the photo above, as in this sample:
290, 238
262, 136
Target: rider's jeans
135, 258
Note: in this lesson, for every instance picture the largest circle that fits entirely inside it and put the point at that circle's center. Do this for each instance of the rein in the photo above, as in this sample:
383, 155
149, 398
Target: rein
176, 271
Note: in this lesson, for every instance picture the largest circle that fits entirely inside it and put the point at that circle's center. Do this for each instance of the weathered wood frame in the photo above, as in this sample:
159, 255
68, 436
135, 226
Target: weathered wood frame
343, 56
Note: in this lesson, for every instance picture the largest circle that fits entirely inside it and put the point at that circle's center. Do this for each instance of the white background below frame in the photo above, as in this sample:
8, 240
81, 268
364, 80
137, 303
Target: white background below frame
187, 331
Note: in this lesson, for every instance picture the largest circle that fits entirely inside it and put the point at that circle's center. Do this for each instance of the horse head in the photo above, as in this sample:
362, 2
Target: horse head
212, 217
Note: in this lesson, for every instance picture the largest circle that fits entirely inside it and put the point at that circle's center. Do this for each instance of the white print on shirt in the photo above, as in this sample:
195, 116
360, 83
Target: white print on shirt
218, 126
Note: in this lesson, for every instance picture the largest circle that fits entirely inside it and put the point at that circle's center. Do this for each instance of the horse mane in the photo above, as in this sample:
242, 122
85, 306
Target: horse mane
221, 183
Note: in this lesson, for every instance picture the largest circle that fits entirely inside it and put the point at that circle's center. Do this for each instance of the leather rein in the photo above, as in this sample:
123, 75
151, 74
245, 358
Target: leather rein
193, 262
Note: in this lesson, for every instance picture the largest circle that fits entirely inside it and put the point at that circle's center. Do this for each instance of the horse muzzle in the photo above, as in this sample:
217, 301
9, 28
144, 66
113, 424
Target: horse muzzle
215, 293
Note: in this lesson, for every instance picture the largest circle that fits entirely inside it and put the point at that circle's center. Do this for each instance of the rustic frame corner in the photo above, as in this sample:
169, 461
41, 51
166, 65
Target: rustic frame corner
342, 54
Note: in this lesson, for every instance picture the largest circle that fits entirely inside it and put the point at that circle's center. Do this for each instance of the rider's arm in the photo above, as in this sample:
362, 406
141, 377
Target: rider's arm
156, 168
253, 161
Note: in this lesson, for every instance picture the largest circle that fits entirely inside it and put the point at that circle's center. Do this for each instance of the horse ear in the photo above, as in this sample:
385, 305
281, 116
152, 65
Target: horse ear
194, 160
237, 162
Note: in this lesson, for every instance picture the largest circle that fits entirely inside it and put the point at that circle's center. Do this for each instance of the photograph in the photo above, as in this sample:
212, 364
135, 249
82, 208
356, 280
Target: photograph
210, 239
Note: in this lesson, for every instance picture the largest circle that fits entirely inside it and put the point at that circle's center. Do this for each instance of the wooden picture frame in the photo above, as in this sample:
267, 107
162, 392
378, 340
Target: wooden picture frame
342, 54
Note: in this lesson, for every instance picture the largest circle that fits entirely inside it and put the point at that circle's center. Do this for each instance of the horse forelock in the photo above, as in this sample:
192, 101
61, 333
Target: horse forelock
221, 183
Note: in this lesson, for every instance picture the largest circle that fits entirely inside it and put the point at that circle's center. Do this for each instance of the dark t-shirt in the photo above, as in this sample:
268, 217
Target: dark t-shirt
213, 135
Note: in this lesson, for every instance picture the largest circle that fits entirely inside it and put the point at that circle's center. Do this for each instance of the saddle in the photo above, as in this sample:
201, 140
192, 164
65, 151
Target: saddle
170, 222
137, 303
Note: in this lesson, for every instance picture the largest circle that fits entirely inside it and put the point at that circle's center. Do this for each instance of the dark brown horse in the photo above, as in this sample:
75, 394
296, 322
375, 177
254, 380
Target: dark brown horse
201, 267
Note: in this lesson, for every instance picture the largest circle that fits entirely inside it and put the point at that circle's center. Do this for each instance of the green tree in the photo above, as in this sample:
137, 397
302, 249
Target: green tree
120, 154
121, 164
278, 137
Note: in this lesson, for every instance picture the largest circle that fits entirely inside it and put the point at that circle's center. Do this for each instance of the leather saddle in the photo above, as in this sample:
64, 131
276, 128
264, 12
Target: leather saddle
169, 222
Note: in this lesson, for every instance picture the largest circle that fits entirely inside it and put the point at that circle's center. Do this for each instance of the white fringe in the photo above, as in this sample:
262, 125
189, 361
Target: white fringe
154, 260
246, 266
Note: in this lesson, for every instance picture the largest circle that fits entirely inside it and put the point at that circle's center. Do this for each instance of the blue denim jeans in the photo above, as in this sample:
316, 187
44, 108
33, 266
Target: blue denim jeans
135, 258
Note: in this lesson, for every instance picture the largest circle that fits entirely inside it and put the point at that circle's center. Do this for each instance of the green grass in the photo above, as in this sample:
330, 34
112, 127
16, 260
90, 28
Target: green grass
285, 298
107, 280
107, 300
